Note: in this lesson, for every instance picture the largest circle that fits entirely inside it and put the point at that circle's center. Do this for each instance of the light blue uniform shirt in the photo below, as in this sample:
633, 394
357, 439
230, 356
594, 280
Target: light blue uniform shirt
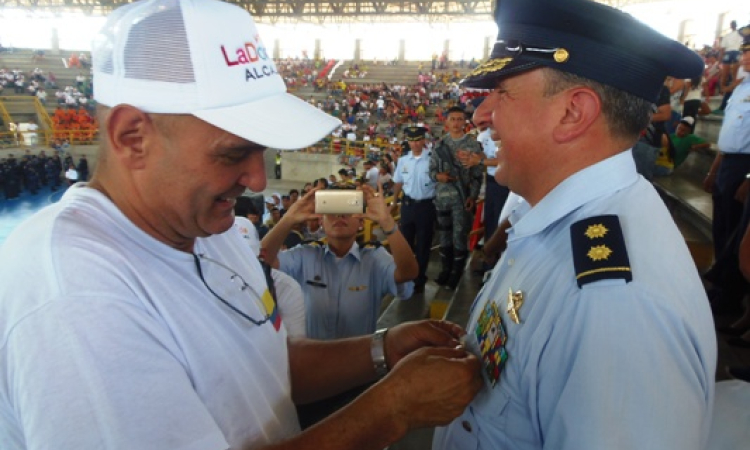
734, 136
342, 296
610, 365
414, 173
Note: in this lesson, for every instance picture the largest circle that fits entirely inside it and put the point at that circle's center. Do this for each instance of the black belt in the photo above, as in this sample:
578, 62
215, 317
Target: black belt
410, 201
736, 155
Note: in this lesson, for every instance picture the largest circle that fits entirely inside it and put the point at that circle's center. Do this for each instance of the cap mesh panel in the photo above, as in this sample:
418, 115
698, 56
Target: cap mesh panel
157, 48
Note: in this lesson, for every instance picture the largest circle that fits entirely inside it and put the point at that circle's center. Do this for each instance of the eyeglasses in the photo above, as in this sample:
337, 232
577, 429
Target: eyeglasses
237, 280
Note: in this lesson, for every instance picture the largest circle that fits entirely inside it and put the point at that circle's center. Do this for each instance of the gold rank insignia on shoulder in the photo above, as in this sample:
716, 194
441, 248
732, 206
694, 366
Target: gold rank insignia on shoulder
357, 288
599, 251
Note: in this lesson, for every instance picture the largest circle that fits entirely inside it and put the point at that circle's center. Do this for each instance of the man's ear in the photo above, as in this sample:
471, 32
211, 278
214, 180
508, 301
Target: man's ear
128, 130
582, 108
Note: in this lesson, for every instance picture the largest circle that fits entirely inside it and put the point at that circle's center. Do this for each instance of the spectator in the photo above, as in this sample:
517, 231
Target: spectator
455, 196
153, 316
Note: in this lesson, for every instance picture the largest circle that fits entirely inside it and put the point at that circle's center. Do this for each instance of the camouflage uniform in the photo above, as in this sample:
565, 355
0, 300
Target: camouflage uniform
454, 222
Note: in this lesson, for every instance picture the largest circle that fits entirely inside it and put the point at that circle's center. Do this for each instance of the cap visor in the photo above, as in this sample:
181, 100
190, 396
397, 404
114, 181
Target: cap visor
279, 121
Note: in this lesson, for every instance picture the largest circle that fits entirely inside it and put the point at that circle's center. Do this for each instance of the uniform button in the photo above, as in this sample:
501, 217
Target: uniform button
466, 425
511, 261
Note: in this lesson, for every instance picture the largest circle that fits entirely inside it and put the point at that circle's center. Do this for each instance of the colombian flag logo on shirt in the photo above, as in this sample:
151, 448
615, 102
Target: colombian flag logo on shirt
272, 311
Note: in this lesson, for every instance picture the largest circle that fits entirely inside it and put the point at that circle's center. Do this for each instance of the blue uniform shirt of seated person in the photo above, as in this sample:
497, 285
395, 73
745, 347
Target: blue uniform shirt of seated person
343, 296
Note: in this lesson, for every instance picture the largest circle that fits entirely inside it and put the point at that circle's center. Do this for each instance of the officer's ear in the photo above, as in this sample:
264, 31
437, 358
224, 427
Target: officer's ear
128, 130
580, 109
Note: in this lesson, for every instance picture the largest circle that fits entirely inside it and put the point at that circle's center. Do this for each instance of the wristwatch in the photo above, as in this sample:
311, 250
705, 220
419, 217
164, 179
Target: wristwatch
377, 352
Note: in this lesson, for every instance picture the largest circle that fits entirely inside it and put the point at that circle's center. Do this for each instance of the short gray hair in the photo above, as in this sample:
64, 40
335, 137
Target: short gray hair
626, 114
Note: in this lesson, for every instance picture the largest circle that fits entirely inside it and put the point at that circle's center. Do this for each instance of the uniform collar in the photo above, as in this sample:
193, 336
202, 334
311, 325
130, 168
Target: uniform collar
354, 251
601, 179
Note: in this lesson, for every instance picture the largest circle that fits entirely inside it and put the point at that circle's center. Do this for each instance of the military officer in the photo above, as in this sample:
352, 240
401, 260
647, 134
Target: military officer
594, 330
456, 195
412, 177
343, 283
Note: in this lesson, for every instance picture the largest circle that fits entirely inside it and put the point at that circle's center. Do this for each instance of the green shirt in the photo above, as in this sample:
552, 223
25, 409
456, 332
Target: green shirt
682, 147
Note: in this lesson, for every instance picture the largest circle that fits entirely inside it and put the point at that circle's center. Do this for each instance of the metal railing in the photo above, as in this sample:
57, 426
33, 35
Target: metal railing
28, 139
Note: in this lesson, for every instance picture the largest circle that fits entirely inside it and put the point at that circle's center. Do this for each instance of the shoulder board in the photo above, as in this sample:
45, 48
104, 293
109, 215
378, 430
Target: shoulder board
599, 251
313, 243
371, 244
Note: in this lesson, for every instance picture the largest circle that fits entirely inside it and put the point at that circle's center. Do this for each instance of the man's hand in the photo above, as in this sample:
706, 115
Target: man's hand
410, 336
469, 159
708, 183
444, 177
469, 204
303, 209
431, 386
377, 210
741, 193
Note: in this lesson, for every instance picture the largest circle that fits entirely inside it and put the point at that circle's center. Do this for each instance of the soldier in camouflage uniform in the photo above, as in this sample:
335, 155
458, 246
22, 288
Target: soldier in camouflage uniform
456, 194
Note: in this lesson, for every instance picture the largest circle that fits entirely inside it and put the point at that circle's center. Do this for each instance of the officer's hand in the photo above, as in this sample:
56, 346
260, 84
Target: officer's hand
443, 177
741, 193
708, 183
303, 209
469, 204
409, 336
431, 386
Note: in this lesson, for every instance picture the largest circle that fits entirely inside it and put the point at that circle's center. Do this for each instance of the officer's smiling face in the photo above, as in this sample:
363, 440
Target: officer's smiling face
520, 116
194, 175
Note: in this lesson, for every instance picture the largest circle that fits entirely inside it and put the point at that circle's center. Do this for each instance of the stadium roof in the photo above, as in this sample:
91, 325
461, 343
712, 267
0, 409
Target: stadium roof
316, 11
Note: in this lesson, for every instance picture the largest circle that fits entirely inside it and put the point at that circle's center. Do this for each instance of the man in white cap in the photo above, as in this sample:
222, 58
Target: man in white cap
132, 315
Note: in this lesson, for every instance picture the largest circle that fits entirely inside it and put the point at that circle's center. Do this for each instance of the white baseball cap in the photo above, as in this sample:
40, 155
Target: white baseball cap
205, 58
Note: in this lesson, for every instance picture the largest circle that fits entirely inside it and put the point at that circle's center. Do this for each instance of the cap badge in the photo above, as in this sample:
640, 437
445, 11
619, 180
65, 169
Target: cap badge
561, 55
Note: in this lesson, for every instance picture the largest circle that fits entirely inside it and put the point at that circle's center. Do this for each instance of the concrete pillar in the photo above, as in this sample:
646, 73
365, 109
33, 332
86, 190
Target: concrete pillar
55, 41
401, 50
447, 48
316, 53
720, 23
487, 47
276, 49
357, 50
686, 33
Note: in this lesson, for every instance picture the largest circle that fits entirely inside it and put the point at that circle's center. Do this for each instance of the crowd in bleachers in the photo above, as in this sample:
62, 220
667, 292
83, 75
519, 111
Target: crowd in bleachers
299, 72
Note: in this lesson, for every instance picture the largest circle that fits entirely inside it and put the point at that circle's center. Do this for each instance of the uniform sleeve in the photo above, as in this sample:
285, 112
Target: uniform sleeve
291, 303
98, 373
290, 262
434, 162
597, 376
475, 174
384, 269
397, 178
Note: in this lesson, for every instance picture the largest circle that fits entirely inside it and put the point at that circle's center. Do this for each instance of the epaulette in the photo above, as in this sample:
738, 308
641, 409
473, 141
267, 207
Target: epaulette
599, 251
314, 243
371, 244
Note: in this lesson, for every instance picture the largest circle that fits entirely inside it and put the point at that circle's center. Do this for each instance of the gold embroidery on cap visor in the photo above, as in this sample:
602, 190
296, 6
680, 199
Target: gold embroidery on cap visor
493, 65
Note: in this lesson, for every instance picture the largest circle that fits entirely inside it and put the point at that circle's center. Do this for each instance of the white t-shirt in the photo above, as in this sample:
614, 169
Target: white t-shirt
111, 340
372, 176
288, 291
489, 147
732, 41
